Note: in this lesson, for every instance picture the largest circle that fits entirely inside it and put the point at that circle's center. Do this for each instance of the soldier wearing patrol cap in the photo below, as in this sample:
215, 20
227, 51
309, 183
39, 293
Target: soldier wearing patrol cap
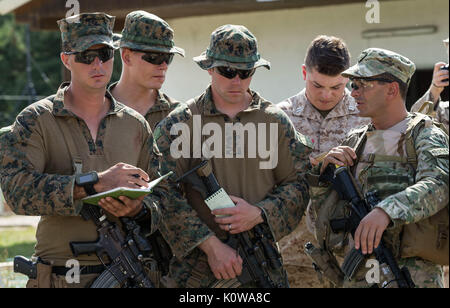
440, 109
147, 50
75, 143
403, 159
324, 111
272, 197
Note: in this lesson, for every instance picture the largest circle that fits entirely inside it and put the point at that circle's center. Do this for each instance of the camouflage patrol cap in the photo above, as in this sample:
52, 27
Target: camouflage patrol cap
377, 61
232, 46
147, 32
80, 32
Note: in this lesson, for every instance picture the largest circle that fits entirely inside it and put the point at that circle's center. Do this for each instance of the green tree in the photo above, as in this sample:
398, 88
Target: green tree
46, 65
46, 70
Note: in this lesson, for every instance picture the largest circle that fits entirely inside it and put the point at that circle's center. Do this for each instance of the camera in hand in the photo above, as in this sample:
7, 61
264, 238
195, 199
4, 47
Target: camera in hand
444, 67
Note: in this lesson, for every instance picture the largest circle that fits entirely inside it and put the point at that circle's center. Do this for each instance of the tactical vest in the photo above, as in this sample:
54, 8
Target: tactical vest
387, 175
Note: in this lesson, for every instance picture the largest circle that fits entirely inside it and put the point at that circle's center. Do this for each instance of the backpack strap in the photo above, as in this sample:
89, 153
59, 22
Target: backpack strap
419, 120
428, 106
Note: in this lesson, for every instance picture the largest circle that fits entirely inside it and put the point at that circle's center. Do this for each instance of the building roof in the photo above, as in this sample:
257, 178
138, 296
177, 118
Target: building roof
43, 14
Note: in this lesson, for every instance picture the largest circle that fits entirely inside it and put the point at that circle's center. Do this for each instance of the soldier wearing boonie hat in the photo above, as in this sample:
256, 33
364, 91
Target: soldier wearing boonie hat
273, 196
70, 145
147, 48
232, 46
438, 109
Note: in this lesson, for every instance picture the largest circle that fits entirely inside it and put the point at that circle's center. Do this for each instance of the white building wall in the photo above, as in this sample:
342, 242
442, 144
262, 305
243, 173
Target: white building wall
284, 36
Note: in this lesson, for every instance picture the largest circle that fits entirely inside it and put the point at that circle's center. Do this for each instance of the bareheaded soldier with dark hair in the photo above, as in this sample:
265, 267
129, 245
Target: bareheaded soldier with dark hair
325, 111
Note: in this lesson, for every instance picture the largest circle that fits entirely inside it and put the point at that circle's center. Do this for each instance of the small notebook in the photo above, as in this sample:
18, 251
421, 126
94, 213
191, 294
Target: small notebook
123, 191
219, 200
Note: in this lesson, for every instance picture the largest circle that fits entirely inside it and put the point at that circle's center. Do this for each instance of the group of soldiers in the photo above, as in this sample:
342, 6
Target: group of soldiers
90, 138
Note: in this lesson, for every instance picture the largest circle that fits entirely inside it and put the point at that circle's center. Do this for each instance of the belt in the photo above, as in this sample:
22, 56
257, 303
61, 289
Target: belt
84, 270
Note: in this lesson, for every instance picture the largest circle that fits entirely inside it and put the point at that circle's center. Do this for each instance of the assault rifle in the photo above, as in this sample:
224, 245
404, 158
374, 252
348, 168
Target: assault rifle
344, 183
261, 260
127, 253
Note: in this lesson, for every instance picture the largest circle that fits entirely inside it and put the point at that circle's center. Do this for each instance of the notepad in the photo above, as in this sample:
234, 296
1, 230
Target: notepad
132, 193
219, 200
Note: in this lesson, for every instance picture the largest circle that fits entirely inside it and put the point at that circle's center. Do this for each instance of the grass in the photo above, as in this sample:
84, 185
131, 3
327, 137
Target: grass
16, 241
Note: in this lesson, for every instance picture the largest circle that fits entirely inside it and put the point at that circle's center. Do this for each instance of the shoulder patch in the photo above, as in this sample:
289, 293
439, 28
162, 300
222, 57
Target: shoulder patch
441, 152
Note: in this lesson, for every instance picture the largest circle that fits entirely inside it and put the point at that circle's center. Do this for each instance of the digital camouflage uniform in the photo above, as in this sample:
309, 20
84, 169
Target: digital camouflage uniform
409, 195
325, 133
147, 32
281, 191
37, 164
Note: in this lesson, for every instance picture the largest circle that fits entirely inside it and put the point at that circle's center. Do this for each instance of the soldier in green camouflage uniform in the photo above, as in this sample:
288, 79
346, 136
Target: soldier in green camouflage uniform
413, 188
273, 198
147, 49
59, 139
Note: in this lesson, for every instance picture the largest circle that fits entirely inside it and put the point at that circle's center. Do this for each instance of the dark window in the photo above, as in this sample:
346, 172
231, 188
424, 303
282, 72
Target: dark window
420, 83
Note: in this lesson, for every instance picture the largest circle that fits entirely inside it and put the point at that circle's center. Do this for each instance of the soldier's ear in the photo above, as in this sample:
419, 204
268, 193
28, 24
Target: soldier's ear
304, 71
125, 54
393, 89
65, 60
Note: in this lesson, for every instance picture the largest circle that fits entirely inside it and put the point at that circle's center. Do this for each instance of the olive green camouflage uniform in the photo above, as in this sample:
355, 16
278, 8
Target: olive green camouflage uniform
36, 162
280, 192
409, 195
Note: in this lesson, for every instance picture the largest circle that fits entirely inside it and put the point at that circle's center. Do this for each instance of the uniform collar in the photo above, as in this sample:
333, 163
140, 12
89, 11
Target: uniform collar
346, 106
206, 103
162, 103
60, 110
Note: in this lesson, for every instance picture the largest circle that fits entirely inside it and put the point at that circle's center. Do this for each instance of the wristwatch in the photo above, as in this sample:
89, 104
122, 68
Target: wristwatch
87, 181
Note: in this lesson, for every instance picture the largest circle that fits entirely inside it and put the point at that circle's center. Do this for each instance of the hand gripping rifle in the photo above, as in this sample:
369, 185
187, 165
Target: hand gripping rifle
261, 260
344, 183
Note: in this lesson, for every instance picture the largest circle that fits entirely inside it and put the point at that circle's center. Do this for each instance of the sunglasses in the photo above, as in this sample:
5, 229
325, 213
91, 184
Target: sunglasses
364, 83
230, 73
88, 56
156, 58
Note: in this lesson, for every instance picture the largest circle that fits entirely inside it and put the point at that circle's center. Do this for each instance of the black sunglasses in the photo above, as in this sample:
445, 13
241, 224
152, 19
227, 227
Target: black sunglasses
230, 73
156, 58
356, 87
88, 56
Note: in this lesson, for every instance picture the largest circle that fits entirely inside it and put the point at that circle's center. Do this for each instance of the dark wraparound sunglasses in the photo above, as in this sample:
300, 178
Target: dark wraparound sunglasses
88, 56
230, 73
156, 58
